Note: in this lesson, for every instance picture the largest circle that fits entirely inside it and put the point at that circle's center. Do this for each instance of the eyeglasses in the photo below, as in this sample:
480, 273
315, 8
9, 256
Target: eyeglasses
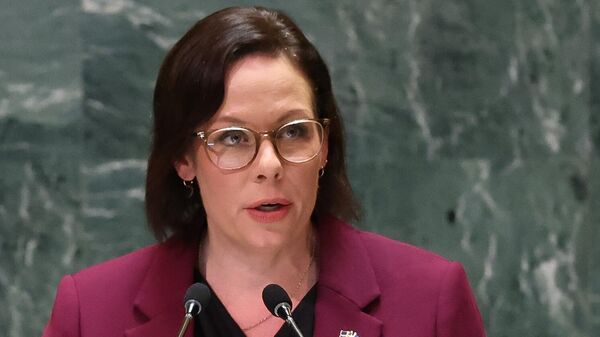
235, 147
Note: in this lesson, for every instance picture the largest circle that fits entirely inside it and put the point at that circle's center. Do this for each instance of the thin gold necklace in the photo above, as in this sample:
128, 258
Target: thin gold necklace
294, 294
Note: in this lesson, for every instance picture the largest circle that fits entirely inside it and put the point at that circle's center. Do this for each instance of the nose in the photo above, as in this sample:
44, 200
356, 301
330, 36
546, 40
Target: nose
268, 163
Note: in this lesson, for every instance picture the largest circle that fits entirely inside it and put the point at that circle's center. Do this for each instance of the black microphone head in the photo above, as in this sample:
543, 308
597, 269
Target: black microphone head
197, 294
274, 295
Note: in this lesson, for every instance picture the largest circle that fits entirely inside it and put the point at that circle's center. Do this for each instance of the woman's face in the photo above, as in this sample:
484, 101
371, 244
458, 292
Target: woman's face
269, 202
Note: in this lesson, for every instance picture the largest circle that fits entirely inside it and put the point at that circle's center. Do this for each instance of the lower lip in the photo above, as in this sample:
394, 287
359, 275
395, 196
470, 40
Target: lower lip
267, 217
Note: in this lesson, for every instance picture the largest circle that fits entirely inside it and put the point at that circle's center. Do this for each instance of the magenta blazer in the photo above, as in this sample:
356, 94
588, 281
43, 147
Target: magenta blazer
368, 284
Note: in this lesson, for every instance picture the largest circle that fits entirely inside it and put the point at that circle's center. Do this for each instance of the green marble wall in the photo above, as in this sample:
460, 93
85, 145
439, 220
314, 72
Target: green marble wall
474, 131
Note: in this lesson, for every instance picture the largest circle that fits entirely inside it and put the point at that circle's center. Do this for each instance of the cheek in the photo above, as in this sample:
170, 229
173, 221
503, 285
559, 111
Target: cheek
220, 199
215, 187
306, 181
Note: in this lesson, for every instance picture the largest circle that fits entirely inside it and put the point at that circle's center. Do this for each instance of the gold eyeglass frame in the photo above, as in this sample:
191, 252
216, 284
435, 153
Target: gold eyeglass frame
258, 136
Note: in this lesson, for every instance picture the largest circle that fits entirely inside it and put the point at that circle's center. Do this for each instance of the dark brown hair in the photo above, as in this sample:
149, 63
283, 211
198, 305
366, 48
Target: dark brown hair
190, 89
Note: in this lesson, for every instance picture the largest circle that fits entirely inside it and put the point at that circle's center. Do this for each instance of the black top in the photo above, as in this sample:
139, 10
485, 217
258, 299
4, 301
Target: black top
215, 321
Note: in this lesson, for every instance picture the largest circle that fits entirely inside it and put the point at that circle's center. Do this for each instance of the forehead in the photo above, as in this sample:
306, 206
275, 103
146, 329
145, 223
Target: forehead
268, 72
261, 89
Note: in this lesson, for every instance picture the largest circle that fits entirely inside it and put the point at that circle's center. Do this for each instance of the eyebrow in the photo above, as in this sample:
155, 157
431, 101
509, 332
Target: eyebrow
300, 113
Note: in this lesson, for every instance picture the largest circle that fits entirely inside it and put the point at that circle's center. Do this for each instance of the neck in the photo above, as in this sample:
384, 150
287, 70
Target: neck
232, 266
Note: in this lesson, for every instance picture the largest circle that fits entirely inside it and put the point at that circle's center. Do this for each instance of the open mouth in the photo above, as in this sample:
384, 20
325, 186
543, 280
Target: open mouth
269, 207
268, 211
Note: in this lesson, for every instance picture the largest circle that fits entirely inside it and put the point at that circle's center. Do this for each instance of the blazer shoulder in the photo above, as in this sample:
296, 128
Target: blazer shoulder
381, 247
436, 289
406, 285
119, 268
88, 295
122, 276
393, 260
383, 253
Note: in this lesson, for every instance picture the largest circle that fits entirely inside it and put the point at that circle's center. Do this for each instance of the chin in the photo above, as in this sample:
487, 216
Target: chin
274, 233
267, 241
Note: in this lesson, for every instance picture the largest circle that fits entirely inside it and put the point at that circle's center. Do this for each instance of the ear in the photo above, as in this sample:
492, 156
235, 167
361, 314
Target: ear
185, 167
324, 152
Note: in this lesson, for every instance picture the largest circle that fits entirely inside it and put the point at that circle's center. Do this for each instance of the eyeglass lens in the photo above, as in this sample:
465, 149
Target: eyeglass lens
234, 147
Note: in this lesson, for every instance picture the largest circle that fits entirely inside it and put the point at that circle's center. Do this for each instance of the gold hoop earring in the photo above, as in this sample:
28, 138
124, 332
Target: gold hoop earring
322, 169
189, 187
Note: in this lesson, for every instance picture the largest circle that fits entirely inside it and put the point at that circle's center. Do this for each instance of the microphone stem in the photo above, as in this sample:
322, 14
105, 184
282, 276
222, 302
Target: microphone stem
291, 322
186, 322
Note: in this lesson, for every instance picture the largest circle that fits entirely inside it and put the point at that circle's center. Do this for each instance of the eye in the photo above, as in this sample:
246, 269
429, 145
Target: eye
232, 138
293, 131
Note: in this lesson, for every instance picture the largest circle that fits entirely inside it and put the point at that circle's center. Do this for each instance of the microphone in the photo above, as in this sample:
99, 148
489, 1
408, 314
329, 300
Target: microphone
196, 297
280, 305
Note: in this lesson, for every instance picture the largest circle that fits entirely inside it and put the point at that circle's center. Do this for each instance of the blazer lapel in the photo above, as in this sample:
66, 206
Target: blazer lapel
346, 286
347, 283
165, 324
159, 301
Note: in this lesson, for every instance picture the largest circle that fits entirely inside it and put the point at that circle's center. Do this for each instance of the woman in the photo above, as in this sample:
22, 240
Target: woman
246, 186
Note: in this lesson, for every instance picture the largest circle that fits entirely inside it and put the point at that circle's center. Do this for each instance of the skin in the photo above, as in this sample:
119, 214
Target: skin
241, 254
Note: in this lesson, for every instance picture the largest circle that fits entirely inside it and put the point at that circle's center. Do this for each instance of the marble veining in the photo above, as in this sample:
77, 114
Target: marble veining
473, 130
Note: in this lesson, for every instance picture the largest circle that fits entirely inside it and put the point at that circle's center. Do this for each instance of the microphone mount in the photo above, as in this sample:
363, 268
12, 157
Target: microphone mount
287, 310
196, 298
280, 305
192, 307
